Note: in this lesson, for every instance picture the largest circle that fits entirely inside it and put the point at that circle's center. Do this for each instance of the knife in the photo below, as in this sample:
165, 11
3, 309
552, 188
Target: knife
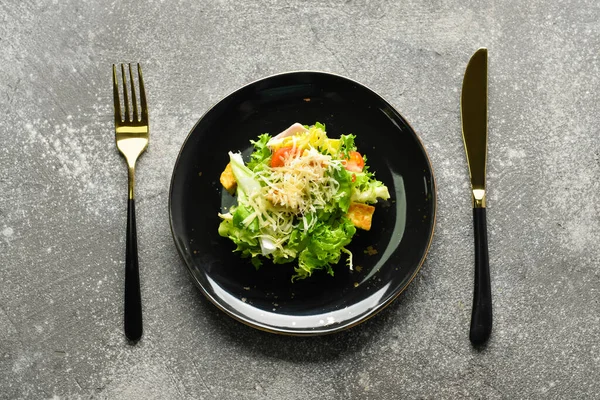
473, 112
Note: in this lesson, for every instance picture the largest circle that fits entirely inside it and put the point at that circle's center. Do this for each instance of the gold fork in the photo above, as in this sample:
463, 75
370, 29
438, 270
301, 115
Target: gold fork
132, 136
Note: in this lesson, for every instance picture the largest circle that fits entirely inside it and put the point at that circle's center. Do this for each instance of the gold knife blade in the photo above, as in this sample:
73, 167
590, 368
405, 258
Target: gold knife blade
473, 112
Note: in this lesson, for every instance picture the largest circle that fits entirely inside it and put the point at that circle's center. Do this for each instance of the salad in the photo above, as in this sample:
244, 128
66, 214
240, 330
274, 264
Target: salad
300, 199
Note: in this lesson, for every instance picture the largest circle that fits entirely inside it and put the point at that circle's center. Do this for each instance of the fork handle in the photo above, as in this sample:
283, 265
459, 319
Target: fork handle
133, 299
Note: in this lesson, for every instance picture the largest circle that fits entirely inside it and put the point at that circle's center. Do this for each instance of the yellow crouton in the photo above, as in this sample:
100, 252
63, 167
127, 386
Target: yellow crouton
361, 215
228, 180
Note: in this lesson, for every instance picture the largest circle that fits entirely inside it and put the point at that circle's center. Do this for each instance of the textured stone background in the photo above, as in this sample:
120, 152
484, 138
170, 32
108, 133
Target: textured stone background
63, 188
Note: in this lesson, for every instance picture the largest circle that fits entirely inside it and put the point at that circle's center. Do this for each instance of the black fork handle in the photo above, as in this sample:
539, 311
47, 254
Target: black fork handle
481, 318
133, 298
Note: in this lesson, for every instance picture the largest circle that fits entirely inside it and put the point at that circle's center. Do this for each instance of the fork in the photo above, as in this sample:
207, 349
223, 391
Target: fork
132, 137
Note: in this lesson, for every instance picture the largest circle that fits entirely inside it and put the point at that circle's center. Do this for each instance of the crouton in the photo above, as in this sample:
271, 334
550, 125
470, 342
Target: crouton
361, 215
228, 179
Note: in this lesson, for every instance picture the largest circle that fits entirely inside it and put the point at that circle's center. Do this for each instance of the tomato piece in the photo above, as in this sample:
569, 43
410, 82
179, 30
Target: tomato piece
279, 156
355, 162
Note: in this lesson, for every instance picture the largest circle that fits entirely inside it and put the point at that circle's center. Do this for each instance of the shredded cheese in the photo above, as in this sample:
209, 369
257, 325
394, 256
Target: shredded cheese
304, 184
292, 194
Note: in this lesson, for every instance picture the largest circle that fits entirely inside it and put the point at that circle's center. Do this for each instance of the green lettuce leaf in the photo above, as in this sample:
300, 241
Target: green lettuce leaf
247, 243
347, 145
261, 155
344, 193
244, 177
327, 241
368, 190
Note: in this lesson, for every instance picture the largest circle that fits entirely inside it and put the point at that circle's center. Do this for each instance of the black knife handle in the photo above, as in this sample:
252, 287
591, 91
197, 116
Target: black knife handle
133, 298
481, 318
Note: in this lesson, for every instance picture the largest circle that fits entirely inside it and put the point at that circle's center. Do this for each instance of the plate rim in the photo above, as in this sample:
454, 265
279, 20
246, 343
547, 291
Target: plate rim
327, 329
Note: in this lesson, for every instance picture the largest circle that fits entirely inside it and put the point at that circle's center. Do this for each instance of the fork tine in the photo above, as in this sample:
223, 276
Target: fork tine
143, 103
133, 97
117, 102
125, 95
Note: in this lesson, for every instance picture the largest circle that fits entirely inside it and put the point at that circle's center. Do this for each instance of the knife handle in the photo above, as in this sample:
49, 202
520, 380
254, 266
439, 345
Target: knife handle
481, 318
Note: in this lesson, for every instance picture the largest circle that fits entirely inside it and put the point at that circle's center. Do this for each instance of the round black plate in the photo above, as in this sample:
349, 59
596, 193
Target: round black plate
387, 257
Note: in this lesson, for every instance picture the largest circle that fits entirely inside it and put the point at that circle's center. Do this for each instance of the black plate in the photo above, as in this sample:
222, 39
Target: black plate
388, 256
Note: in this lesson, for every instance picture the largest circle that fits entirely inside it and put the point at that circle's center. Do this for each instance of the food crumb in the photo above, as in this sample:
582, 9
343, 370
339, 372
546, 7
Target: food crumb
200, 173
307, 99
244, 299
246, 287
355, 284
370, 251
358, 268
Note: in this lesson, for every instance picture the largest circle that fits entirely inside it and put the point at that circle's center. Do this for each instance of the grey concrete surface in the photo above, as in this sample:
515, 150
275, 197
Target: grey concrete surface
63, 188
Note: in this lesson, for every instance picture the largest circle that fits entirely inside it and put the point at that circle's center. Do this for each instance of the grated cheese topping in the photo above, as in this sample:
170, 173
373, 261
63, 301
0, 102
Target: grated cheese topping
303, 184
292, 194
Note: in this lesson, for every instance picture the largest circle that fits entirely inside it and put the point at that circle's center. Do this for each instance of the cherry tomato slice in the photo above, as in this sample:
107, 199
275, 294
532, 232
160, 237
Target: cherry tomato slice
279, 156
355, 162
